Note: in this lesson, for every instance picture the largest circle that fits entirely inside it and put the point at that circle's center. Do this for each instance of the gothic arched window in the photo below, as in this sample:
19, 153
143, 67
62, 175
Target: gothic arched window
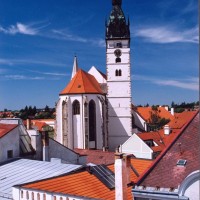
120, 72
116, 73
38, 196
92, 121
76, 107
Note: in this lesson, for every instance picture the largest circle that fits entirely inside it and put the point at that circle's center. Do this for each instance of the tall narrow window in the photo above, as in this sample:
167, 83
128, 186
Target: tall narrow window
38, 196
22, 194
120, 72
27, 195
32, 194
76, 107
92, 121
44, 196
116, 72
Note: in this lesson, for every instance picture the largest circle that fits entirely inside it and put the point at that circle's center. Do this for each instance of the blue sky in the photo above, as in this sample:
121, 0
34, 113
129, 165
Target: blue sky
38, 41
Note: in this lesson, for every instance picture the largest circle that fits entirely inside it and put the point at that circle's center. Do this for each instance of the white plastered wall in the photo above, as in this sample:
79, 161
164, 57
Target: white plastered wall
76, 122
10, 142
134, 145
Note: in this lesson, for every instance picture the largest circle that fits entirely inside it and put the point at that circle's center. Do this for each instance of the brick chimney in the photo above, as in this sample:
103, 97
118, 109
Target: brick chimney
122, 175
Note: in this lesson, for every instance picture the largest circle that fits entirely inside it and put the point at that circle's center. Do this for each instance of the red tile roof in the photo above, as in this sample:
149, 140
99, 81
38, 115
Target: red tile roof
159, 138
164, 172
97, 157
139, 165
145, 113
40, 125
6, 128
181, 119
175, 125
78, 184
82, 83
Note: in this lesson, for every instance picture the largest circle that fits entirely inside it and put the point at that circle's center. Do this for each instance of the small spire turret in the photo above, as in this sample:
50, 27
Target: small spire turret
75, 67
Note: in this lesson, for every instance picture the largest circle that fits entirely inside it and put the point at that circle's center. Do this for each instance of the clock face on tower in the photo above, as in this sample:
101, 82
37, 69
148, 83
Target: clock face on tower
117, 53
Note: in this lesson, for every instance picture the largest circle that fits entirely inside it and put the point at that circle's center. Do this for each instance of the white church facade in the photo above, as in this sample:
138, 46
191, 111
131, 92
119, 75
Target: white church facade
94, 110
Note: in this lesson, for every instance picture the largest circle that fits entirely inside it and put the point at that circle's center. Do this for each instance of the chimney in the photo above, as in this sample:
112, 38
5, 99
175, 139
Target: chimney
122, 175
166, 130
28, 124
172, 111
45, 142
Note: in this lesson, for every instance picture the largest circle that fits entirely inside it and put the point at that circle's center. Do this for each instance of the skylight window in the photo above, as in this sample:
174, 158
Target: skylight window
181, 162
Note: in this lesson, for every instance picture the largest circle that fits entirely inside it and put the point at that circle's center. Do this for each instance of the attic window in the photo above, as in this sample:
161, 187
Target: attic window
181, 162
79, 86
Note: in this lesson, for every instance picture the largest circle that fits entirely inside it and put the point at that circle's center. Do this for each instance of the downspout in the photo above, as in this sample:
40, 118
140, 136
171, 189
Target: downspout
82, 122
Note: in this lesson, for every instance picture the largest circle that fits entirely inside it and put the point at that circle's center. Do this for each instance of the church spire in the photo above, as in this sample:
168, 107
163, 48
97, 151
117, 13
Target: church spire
117, 2
75, 67
117, 26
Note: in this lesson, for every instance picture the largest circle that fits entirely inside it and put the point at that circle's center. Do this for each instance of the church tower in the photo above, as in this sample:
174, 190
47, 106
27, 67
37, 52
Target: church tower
118, 76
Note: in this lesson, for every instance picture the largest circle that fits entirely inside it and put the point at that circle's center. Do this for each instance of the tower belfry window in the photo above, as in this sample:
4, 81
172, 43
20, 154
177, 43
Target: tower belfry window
118, 60
116, 73
119, 45
120, 72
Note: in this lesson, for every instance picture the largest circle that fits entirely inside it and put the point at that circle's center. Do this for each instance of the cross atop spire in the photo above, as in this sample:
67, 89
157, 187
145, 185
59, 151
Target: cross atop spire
117, 2
75, 67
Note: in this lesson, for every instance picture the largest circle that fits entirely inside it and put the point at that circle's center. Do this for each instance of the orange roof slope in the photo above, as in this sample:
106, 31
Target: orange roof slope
164, 172
175, 125
82, 83
6, 128
145, 113
139, 165
79, 184
181, 119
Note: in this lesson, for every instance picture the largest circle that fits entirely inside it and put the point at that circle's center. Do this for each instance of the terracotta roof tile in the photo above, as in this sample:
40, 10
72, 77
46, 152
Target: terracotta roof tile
181, 119
139, 165
164, 172
145, 113
175, 125
39, 125
97, 157
77, 184
6, 128
82, 83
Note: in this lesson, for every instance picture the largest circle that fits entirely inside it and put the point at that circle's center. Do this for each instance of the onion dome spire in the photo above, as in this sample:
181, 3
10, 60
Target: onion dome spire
117, 26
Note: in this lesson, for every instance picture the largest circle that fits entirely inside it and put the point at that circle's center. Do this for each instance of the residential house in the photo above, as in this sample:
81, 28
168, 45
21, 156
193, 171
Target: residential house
151, 144
175, 173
